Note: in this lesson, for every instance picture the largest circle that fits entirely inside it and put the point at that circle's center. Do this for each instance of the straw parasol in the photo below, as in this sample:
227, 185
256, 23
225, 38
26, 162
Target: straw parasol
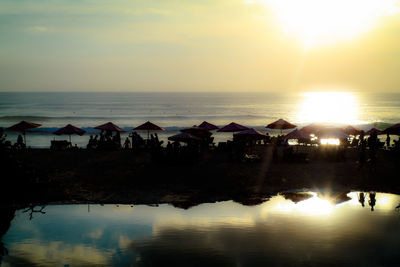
296, 134
23, 126
250, 134
297, 196
331, 132
197, 131
184, 137
148, 126
395, 129
351, 130
208, 126
69, 129
109, 126
374, 130
233, 127
312, 128
281, 125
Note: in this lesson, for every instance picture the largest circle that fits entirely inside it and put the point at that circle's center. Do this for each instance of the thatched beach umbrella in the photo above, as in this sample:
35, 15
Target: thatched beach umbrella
373, 131
148, 126
70, 129
351, 130
233, 127
312, 128
184, 137
197, 131
208, 126
395, 129
296, 134
332, 133
281, 125
23, 126
250, 134
109, 126
335, 197
297, 196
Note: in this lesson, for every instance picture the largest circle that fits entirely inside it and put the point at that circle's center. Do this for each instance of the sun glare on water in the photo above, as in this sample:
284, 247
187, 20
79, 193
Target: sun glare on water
312, 206
326, 21
328, 107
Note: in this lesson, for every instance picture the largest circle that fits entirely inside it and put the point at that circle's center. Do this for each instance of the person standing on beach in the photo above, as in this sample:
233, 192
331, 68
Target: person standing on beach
127, 144
387, 141
361, 141
362, 153
2, 136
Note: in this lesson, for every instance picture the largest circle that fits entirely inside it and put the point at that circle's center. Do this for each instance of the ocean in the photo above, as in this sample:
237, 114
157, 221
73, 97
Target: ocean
174, 111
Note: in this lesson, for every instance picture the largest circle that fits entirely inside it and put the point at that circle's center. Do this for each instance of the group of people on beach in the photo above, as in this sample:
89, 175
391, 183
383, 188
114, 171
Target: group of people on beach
238, 148
106, 140
20, 144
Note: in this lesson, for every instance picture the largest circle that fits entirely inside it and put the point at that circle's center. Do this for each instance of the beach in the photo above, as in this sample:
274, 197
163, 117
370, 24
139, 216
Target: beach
175, 111
42, 176
83, 175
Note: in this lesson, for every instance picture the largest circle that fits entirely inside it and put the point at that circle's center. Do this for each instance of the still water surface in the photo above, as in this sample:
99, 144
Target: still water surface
312, 232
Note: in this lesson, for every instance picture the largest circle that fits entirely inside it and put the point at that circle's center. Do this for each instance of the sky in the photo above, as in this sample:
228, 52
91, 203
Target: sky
202, 45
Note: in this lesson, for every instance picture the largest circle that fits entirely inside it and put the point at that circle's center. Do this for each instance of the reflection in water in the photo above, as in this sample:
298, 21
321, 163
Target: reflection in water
6, 216
361, 199
314, 231
372, 200
311, 206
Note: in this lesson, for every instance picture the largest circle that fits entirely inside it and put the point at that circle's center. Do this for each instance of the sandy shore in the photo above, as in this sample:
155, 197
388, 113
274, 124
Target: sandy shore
44, 176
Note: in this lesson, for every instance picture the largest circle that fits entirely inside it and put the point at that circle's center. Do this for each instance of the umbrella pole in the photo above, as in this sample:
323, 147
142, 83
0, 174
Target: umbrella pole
25, 138
148, 133
70, 139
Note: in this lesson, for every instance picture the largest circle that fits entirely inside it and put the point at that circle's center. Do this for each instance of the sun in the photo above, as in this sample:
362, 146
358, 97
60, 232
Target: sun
328, 107
326, 21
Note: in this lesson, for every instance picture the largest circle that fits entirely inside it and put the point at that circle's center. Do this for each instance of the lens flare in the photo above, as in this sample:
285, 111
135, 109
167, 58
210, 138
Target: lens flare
327, 21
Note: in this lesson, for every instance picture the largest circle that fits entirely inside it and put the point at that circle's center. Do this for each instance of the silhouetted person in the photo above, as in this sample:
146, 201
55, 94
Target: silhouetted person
127, 143
90, 143
362, 153
267, 139
96, 141
2, 138
388, 141
361, 199
117, 139
362, 134
345, 142
102, 137
355, 142
372, 200
169, 149
20, 142
373, 145
108, 136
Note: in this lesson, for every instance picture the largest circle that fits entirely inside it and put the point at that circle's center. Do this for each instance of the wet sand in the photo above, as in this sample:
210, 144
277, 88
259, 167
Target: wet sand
41, 176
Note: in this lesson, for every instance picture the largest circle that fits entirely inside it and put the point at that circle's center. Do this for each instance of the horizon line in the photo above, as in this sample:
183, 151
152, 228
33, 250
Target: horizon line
157, 92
